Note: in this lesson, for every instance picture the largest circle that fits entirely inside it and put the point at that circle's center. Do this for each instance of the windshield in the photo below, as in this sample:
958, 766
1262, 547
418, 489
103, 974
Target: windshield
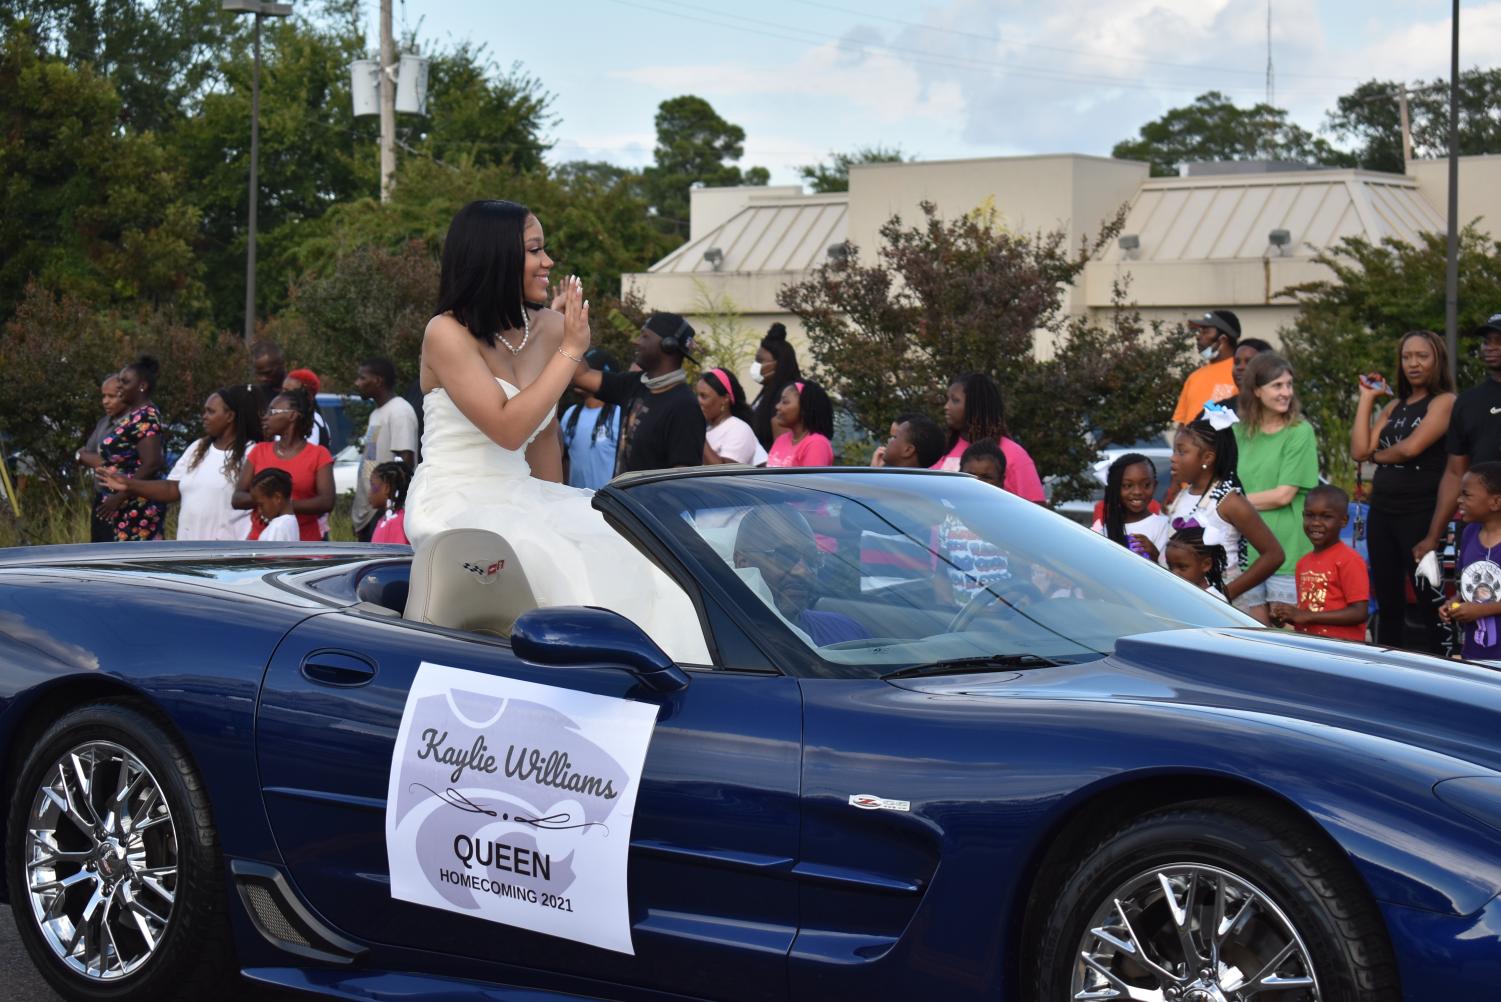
876, 572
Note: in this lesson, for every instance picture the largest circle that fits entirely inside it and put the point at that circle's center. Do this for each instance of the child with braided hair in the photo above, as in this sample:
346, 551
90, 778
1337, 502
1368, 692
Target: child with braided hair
1195, 561
1128, 518
272, 518
388, 495
1205, 456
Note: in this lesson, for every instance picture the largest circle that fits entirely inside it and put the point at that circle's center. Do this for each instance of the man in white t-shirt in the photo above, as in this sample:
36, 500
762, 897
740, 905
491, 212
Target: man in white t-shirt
391, 435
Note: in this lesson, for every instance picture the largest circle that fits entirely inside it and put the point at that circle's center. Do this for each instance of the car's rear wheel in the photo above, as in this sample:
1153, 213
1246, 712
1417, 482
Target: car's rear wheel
112, 863
1214, 901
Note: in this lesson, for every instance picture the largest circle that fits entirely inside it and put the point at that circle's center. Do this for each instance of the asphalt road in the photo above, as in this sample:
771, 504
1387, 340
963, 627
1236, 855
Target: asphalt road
21, 983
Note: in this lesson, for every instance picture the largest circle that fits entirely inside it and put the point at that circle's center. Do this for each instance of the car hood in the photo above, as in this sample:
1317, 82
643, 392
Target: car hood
1450, 707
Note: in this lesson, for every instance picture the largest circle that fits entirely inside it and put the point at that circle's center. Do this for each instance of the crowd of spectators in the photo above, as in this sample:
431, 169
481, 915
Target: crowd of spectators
1247, 514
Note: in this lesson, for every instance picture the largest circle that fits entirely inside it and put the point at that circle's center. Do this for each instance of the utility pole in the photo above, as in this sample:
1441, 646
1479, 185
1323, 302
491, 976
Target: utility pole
387, 102
255, 184
260, 9
1451, 277
1402, 96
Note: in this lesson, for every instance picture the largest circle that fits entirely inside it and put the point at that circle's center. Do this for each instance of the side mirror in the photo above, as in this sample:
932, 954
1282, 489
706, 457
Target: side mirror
573, 636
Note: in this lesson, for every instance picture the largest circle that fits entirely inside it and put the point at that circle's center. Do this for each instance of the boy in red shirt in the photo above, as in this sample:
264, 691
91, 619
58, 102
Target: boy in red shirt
1334, 587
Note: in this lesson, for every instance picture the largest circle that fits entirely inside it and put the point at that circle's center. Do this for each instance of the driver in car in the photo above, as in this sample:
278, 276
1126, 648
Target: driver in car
779, 543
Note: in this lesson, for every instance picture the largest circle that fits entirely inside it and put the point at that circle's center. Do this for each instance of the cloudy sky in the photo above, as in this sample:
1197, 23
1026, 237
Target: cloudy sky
943, 79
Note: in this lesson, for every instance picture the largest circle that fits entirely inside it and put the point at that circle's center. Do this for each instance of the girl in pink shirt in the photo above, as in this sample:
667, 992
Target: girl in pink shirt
974, 411
805, 411
387, 494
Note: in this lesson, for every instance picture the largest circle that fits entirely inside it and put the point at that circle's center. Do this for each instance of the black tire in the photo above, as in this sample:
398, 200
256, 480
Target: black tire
192, 957
1317, 892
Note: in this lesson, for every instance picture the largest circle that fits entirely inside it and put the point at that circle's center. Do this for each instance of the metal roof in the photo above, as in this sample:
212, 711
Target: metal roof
1225, 217
767, 236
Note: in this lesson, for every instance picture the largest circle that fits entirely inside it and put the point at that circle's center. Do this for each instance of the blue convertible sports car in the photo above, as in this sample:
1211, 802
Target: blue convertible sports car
947, 745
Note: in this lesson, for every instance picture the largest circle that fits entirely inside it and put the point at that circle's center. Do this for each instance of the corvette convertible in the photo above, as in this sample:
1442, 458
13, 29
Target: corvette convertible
941, 744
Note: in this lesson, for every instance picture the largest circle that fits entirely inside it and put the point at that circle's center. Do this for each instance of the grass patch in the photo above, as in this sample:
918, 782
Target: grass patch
52, 515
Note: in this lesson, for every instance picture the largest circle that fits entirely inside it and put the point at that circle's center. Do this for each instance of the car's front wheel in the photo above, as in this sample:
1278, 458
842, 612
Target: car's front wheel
112, 863
1214, 901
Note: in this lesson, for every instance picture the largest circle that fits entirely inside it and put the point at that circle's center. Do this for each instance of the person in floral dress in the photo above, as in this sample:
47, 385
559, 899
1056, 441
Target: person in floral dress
133, 448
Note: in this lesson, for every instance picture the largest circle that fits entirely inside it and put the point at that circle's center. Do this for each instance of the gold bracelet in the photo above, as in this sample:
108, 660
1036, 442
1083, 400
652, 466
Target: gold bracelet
572, 358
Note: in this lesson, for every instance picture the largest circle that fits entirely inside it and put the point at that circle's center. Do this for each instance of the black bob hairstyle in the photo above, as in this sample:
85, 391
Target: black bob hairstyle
484, 261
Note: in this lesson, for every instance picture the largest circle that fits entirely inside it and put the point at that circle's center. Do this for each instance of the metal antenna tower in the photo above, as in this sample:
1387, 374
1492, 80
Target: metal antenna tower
1271, 79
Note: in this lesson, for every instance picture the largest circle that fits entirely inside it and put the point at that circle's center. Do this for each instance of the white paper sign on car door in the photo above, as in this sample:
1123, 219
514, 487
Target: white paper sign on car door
512, 802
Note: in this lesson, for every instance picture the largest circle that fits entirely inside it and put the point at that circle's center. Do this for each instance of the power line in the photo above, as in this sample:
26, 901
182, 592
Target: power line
772, 29
980, 36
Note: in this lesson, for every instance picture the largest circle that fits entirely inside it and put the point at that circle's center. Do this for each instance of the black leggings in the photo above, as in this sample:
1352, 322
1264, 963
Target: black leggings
1389, 541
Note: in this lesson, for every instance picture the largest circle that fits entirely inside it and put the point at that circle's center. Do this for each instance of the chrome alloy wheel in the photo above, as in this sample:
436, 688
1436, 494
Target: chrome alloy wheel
1188, 932
101, 861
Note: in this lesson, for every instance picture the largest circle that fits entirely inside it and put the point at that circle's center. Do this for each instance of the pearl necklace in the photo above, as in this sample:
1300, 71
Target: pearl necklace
525, 337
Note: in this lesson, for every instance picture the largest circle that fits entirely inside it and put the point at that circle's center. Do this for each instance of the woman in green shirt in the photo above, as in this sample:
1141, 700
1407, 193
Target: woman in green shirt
1279, 464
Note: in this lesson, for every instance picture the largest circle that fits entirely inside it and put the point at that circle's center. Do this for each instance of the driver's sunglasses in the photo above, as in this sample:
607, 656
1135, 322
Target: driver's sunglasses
787, 556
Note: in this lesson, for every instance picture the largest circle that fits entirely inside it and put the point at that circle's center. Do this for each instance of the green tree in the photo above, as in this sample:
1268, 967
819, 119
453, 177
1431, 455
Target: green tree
313, 154
694, 146
948, 297
1370, 118
1351, 323
159, 56
478, 114
89, 208
1213, 128
370, 300
834, 175
183, 69
595, 220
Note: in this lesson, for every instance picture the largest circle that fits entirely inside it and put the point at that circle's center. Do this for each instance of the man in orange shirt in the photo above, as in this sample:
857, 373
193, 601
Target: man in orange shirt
1217, 333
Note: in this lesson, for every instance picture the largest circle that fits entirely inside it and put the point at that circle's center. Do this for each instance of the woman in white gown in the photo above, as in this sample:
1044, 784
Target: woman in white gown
493, 370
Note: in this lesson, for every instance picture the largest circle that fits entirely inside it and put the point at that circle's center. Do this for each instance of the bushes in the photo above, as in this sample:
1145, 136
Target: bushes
55, 351
369, 301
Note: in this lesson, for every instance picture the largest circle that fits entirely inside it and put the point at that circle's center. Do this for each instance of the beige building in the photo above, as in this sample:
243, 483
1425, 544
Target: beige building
1235, 240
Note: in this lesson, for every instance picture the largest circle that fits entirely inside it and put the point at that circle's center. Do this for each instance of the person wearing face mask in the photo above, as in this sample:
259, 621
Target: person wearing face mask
1216, 334
773, 369
1246, 350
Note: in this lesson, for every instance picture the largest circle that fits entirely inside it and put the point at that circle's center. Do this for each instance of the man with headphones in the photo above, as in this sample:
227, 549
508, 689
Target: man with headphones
663, 425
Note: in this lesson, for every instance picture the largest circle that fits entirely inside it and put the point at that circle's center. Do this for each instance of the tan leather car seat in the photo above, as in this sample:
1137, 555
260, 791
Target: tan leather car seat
468, 579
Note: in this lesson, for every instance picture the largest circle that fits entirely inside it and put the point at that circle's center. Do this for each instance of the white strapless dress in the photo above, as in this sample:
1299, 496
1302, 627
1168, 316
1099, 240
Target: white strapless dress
570, 554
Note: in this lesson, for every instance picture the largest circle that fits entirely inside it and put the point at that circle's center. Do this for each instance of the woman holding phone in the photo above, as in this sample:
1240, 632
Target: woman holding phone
1406, 442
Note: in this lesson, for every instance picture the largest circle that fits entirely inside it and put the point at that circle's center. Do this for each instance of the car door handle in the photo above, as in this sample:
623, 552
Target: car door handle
337, 668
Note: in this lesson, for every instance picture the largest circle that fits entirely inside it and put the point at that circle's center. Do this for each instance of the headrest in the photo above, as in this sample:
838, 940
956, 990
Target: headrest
468, 579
